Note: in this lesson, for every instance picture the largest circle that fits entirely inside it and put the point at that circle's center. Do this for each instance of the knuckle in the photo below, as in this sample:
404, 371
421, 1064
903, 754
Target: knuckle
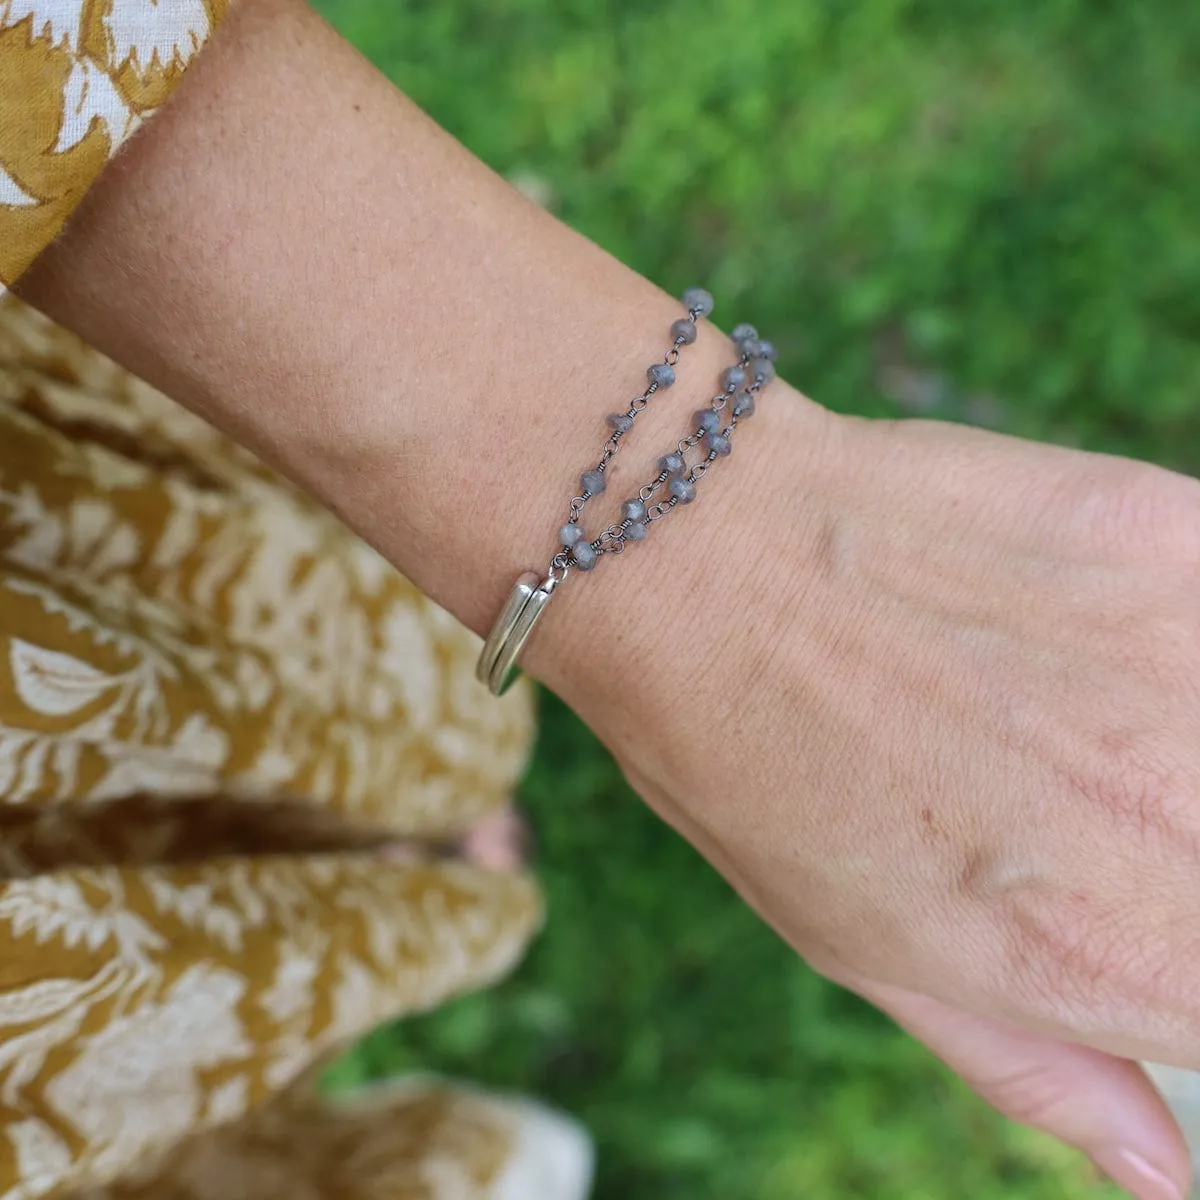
1113, 974
1081, 963
1134, 785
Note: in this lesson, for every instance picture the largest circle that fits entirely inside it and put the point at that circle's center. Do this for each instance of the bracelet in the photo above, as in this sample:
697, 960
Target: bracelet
740, 384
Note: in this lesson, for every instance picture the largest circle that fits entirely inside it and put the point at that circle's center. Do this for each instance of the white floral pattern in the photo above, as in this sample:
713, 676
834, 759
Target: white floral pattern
146, 32
12, 194
89, 95
195, 765
415, 1138
149, 1061
215, 704
57, 21
76, 80
42, 1158
52, 683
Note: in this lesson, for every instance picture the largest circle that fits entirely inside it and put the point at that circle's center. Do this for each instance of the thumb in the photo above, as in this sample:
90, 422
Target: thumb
1105, 1106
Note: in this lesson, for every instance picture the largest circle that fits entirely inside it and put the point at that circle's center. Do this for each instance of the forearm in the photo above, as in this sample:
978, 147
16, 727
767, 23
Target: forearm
293, 250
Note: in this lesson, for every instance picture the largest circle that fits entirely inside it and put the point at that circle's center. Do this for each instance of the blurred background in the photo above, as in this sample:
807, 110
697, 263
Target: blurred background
966, 209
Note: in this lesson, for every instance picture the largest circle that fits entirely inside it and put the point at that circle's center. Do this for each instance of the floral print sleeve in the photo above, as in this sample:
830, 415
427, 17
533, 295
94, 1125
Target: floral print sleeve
77, 78
236, 753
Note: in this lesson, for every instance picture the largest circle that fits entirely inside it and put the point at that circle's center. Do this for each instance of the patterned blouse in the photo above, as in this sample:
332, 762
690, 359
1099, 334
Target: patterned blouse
216, 706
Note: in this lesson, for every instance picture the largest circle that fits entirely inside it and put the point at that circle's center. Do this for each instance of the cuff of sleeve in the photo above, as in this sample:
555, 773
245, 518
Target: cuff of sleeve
76, 82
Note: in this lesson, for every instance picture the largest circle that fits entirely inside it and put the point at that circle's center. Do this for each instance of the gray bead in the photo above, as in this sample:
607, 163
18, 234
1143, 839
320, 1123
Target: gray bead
637, 531
684, 331
743, 406
763, 370
570, 534
585, 556
718, 442
633, 510
707, 421
661, 373
619, 422
699, 301
743, 333
682, 489
592, 482
673, 464
767, 349
750, 347
732, 378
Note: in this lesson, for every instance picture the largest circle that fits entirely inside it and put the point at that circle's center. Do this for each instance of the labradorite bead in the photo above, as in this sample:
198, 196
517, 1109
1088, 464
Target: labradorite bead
673, 464
707, 421
570, 534
636, 532
619, 422
767, 349
744, 332
718, 442
743, 406
592, 482
698, 300
683, 490
585, 556
661, 373
684, 331
763, 369
633, 510
732, 378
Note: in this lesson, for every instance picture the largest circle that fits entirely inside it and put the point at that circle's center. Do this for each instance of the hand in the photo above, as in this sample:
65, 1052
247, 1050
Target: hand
930, 698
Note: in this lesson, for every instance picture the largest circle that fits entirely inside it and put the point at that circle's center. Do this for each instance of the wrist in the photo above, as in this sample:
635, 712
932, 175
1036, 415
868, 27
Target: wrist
466, 488
623, 644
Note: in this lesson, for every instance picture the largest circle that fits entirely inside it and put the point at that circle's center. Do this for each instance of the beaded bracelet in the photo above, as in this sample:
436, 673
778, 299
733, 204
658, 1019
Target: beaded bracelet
740, 384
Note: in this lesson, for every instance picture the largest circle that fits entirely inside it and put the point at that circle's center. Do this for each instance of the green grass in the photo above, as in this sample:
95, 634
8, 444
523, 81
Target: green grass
978, 211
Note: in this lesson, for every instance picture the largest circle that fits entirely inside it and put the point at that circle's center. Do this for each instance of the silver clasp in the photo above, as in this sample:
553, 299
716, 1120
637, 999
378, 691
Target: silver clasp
497, 666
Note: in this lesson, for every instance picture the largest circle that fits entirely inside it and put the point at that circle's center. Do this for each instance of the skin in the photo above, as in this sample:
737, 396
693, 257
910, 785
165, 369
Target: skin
929, 697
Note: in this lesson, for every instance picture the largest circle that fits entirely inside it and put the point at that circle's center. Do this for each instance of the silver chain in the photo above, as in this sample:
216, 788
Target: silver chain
498, 661
613, 445
613, 539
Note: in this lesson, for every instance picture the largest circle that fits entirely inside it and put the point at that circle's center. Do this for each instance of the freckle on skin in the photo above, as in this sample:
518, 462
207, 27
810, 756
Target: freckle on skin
929, 832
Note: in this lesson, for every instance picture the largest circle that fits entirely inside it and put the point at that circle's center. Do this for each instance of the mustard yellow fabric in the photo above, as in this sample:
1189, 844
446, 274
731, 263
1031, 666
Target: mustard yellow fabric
77, 78
419, 1140
215, 707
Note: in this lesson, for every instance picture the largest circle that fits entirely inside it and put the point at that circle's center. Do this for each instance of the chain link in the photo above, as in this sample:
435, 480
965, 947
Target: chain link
648, 490
560, 568
613, 540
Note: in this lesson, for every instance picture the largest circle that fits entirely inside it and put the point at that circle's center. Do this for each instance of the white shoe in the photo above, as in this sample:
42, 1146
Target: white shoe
552, 1157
